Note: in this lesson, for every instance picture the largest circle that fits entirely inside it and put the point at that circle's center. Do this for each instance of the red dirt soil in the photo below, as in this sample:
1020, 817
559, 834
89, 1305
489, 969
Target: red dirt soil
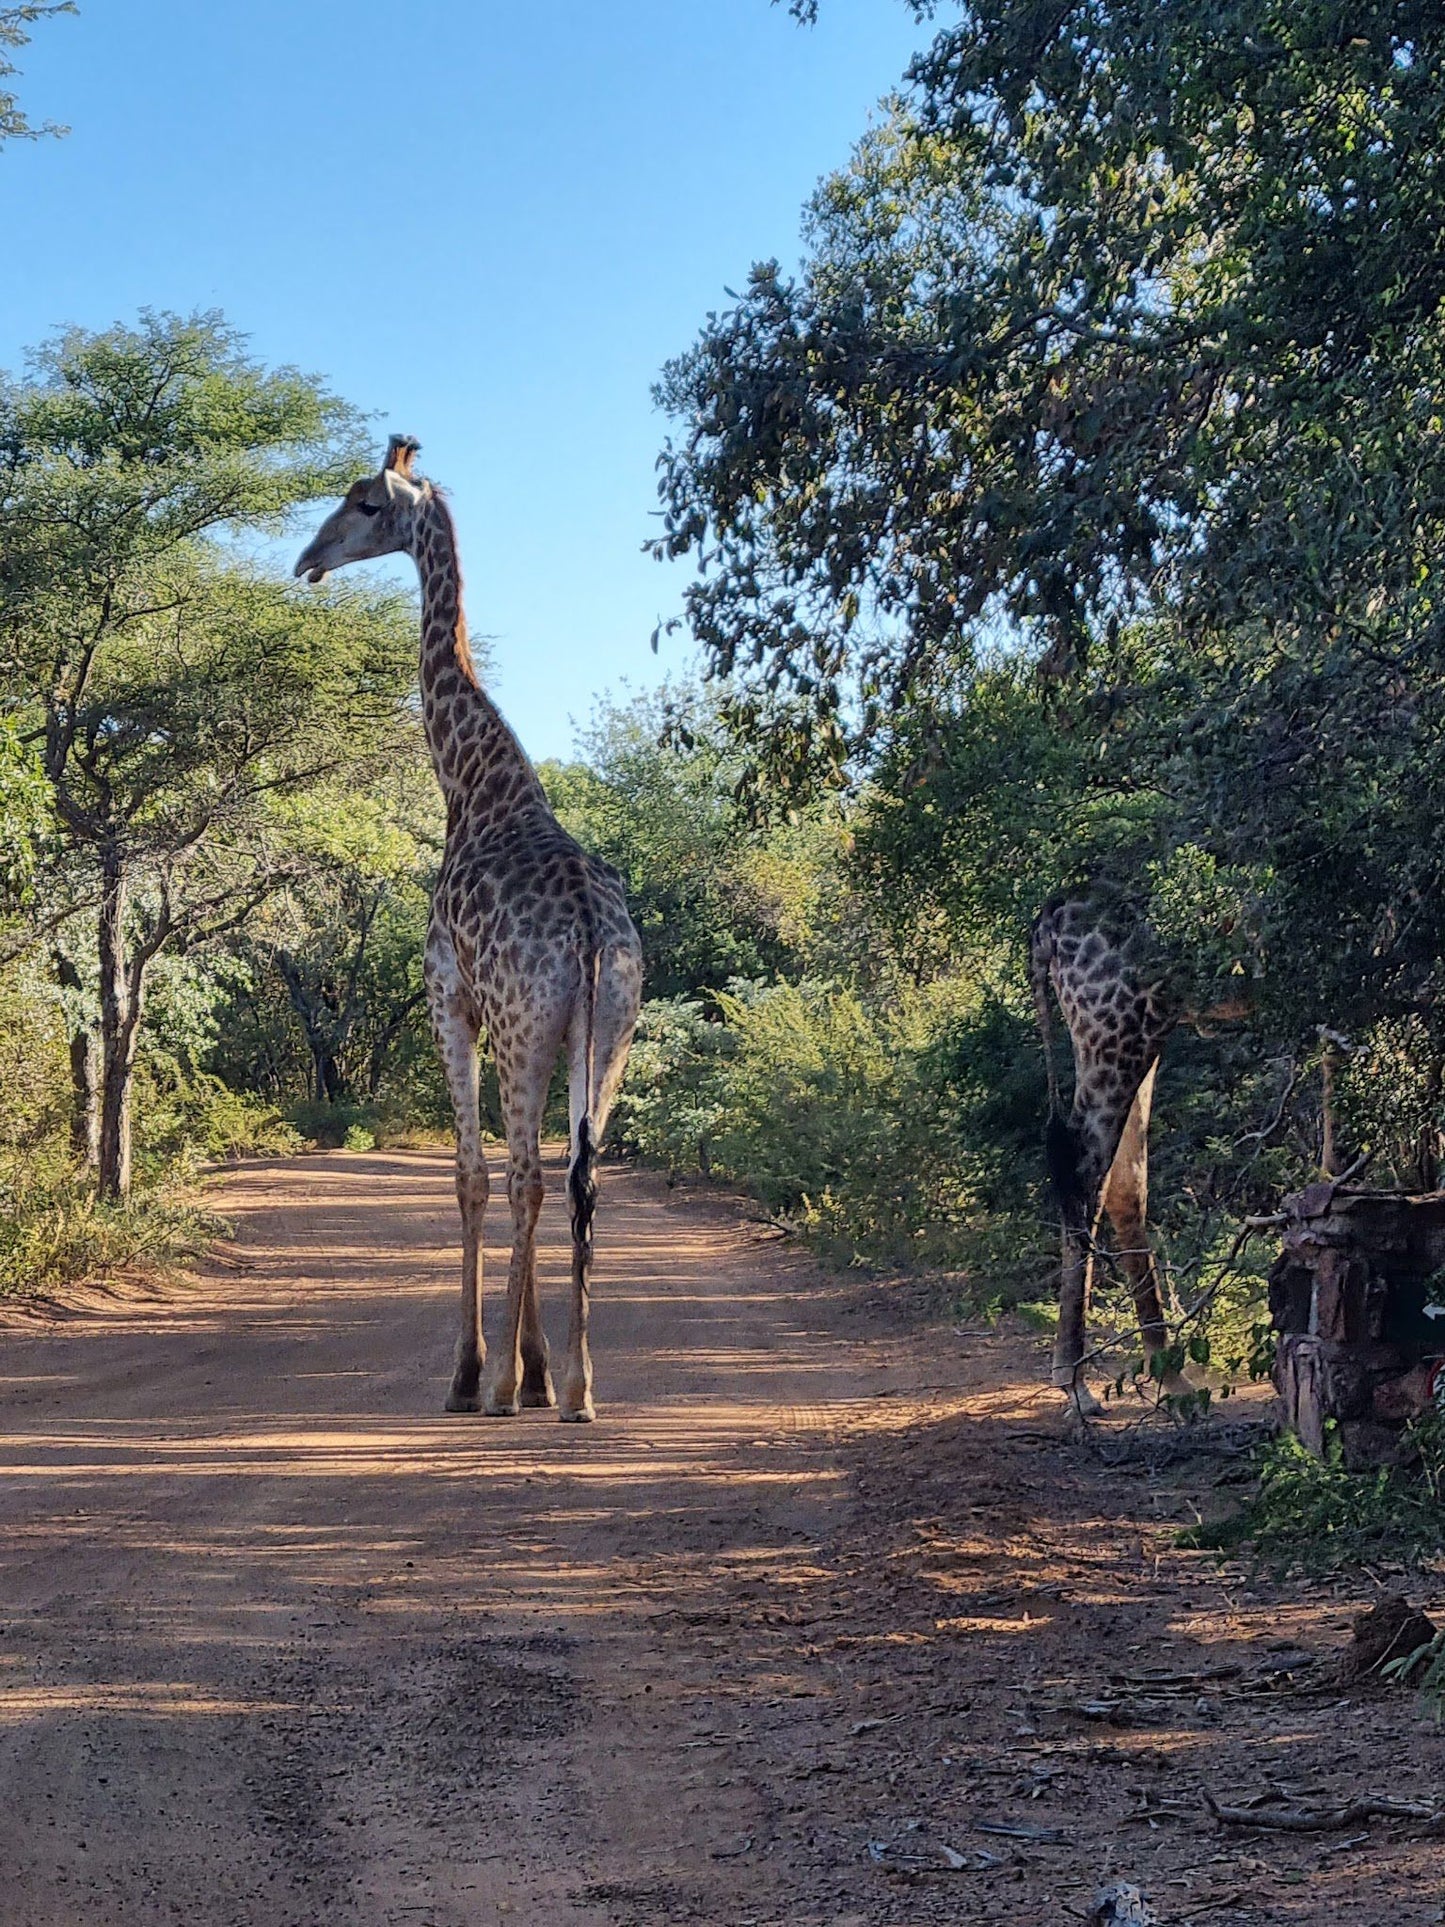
821, 1608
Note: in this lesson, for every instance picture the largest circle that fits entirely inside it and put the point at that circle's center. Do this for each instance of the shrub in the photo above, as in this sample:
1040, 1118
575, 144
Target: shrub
183, 1120
54, 1231
1312, 1514
897, 1135
672, 1106
329, 1125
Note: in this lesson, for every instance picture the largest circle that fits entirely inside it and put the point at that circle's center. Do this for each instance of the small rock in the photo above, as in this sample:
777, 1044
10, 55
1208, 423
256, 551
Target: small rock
1391, 1629
1120, 1904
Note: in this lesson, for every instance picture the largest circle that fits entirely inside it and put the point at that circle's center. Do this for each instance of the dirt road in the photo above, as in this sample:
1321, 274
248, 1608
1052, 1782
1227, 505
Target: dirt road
821, 1600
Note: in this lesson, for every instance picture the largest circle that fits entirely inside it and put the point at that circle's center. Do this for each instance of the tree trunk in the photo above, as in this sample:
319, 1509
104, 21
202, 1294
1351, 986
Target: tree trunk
1427, 1155
120, 1008
84, 1067
1332, 1057
385, 1041
323, 1040
85, 1101
329, 1087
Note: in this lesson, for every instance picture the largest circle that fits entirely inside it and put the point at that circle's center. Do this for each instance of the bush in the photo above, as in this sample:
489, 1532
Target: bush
54, 1231
329, 1126
898, 1136
183, 1120
384, 1125
1312, 1514
672, 1105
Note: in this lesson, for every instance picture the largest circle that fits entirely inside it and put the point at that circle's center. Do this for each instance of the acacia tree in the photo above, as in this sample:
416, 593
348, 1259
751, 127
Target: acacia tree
1119, 346
176, 693
347, 937
15, 25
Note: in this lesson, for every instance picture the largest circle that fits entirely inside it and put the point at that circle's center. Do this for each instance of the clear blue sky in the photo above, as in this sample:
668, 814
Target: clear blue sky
489, 222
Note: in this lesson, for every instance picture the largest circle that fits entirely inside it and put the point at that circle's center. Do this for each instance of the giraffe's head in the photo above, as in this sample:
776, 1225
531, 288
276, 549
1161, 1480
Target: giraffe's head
375, 518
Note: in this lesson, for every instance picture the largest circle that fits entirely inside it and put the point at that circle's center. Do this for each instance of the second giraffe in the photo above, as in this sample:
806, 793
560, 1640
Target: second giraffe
1118, 1013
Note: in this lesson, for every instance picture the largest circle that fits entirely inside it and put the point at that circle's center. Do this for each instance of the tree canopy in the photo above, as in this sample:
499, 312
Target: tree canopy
175, 692
1125, 307
15, 25
1115, 356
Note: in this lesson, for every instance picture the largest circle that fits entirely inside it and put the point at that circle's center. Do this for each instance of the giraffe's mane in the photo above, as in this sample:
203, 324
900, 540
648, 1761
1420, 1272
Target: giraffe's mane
460, 644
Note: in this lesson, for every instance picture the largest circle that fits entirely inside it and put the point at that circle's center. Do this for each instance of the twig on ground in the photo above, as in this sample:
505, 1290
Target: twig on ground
1318, 1819
1041, 1836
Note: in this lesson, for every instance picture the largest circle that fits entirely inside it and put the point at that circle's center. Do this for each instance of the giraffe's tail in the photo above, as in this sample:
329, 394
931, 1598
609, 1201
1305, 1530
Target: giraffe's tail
581, 1172
1042, 938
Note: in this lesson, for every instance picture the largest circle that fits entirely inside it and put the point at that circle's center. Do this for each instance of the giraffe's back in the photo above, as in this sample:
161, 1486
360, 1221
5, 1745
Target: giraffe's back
524, 906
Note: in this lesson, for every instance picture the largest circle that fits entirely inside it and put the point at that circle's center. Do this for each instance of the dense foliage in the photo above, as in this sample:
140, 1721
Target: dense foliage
1117, 348
178, 697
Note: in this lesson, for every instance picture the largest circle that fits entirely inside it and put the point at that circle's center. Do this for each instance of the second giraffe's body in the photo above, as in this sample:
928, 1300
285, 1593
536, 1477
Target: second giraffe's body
1119, 1012
530, 943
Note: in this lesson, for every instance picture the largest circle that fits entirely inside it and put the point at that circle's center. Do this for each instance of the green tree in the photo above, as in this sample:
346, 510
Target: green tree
1126, 306
347, 937
1119, 349
713, 896
177, 693
15, 25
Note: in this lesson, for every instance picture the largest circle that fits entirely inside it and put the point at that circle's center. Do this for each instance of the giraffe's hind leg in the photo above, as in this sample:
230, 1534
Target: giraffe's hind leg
526, 1052
456, 1032
1105, 1100
537, 1388
592, 1080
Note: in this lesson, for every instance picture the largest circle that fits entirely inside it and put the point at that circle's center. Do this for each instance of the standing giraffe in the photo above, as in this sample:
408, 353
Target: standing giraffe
1119, 1013
529, 940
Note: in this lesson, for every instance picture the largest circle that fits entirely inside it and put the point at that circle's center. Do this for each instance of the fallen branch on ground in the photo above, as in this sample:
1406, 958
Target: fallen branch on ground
1317, 1819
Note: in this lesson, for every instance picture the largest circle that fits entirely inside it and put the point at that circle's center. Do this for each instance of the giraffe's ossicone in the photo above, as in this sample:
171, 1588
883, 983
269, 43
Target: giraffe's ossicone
529, 942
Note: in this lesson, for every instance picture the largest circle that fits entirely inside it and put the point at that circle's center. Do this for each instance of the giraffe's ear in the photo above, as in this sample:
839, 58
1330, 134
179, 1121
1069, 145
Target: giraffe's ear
401, 452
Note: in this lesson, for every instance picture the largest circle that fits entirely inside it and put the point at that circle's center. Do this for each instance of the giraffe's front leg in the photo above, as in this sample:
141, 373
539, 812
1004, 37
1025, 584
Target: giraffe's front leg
1074, 1282
456, 1035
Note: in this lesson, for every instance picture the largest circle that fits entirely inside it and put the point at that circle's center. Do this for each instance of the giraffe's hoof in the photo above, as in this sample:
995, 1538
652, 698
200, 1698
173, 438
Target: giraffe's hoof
1080, 1403
463, 1401
542, 1394
578, 1414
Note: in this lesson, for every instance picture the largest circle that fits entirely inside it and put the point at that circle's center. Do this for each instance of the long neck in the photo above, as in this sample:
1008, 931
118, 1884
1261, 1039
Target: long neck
482, 768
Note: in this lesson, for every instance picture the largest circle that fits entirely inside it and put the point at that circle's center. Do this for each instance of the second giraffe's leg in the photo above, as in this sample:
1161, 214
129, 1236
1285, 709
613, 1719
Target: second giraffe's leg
1076, 1275
1080, 1154
456, 1037
1126, 1200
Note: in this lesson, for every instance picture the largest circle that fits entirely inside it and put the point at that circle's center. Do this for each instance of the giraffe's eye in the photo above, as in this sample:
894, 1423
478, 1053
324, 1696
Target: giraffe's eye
369, 508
